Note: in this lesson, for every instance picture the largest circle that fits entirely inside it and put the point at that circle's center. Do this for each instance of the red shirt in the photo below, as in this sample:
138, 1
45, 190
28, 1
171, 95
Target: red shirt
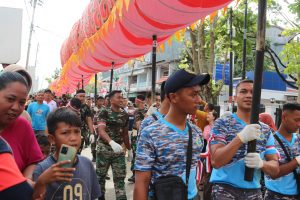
21, 138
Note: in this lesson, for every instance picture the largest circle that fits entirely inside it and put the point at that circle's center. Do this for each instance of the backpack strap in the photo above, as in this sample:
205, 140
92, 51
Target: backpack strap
189, 154
155, 117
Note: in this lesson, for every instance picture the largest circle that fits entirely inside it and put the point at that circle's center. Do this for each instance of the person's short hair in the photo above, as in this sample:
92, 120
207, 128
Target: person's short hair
215, 114
210, 106
140, 97
148, 95
100, 97
162, 91
106, 96
113, 93
241, 82
65, 115
291, 107
42, 140
75, 103
48, 91
80, 91
11, 77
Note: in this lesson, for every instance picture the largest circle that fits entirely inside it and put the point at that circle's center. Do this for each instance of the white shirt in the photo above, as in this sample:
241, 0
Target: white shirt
52, 105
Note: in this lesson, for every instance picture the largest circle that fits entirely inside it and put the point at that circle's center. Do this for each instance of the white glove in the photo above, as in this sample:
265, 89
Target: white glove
116, 147
129, 159
298, 159
253, 160
250, 132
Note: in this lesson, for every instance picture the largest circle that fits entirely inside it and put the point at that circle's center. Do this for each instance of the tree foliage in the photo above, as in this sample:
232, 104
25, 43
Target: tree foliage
209, 43
54, 76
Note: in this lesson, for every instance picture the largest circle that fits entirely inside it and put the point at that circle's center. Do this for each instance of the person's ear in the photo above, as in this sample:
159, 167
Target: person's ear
51, 139
173, 97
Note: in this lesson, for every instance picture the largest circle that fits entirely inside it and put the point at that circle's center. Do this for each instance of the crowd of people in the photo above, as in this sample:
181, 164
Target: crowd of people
175, 149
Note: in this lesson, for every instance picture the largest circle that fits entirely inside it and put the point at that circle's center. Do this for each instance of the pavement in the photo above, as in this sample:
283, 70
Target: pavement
110, 191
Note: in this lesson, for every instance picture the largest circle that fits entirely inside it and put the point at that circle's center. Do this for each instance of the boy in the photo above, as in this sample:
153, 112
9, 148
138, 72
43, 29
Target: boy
64, 128
44, 145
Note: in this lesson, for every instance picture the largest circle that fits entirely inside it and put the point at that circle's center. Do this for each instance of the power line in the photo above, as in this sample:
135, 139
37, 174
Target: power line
27, 10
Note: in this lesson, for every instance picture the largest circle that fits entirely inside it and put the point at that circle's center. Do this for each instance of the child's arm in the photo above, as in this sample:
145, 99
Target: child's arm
52, 174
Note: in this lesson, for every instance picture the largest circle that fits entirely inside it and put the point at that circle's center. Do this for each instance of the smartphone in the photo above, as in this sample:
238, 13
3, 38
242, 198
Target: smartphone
67, 153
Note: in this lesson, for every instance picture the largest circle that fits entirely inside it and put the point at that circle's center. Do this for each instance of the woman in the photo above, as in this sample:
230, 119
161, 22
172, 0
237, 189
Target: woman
26, 76
15, 129
210, 118
207, 187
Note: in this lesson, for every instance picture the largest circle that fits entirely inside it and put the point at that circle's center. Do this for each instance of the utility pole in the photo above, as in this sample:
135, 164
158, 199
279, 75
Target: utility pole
230, 61
111, 76
82, 86
96, 80
245, 41
154, 46
36, 55
30, 34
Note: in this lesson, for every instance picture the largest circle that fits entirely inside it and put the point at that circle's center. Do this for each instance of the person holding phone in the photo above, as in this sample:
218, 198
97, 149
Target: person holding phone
64, 132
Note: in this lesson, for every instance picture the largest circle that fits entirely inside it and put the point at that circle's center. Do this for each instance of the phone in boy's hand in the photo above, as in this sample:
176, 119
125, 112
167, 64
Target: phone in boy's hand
67, 153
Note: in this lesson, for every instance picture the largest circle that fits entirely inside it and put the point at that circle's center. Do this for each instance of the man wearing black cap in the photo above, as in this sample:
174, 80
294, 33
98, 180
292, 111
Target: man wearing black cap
163, 145
86, 119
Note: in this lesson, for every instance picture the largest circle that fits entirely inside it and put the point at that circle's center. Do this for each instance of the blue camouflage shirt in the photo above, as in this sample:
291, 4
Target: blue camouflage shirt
287, 184
150, 119
162, 149
224, 131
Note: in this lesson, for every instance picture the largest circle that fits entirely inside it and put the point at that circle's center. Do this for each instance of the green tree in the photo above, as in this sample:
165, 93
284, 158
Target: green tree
210, 43
291, 56
54, 76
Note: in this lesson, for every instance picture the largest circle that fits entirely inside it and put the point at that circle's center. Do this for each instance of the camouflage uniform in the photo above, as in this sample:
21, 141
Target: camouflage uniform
139, 115
115, 123
94, 144
227, 192
270, 195
85, 112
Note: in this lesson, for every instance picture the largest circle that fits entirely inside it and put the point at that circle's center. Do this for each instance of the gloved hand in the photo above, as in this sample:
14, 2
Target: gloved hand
298, 159
116, 147
129, 159
250, 132
253, 160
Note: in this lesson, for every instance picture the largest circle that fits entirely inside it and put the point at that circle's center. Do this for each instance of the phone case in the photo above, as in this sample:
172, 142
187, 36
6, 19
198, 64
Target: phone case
67, 153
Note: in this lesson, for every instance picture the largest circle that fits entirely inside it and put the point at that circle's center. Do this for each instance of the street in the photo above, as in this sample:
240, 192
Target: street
110, 191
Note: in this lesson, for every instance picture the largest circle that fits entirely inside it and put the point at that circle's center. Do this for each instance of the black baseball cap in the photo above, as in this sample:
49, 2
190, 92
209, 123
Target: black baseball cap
182, 79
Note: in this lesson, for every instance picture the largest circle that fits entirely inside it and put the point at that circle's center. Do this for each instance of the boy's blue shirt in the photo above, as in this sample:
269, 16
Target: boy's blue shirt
38, 114
84, 184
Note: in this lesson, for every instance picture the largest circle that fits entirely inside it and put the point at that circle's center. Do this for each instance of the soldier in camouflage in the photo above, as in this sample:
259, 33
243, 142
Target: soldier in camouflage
96, 110
139, 116
113, 131
86, 118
